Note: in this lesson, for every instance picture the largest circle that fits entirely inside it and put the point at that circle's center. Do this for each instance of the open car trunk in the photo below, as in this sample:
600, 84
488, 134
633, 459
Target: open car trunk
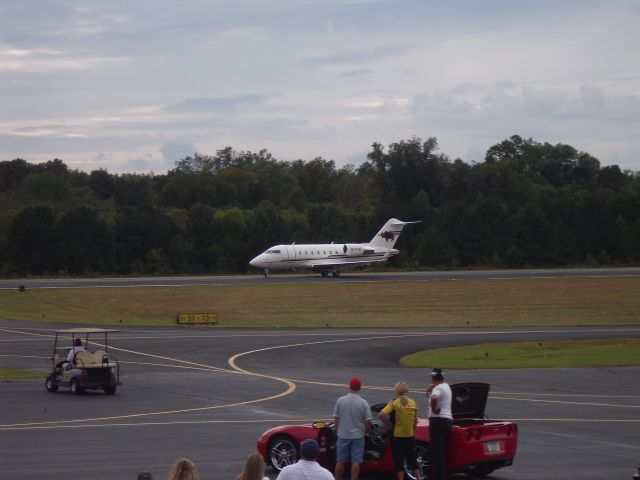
469, 401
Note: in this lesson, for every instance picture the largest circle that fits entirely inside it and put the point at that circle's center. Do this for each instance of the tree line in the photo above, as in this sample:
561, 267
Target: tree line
528, 204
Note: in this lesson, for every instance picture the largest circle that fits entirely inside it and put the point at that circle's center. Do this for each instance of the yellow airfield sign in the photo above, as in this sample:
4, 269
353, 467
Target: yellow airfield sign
197, 318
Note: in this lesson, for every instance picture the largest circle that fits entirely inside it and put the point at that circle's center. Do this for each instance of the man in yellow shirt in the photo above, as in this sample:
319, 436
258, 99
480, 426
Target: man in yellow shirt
405, 412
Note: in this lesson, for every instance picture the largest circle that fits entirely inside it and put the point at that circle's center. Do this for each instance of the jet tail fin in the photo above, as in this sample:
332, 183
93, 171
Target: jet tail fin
389, 233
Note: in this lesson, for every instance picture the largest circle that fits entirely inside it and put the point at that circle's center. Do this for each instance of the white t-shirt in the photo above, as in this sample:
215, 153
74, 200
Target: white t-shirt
305, 470
442, 393
73, 351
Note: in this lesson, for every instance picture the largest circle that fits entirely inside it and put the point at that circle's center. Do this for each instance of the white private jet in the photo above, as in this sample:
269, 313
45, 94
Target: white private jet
332, 257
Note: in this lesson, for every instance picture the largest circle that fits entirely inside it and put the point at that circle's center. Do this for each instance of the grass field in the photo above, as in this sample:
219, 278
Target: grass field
579, 353
15, 373
439, 303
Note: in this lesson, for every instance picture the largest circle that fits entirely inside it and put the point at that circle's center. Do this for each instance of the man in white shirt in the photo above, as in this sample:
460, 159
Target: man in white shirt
306, 468
77, 347
440, 420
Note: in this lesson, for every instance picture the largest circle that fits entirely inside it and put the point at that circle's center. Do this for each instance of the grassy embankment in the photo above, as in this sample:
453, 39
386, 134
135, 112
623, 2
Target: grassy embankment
565, 354
463, 303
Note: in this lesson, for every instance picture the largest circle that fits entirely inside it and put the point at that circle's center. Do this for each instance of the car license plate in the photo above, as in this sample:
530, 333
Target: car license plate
493, 447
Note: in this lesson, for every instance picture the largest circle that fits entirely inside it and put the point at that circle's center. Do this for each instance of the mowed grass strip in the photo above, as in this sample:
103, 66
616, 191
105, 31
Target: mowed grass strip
438, 303
556, 354
18, 373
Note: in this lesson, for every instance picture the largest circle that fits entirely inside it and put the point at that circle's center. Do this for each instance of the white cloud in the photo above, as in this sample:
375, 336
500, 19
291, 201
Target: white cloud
124, 85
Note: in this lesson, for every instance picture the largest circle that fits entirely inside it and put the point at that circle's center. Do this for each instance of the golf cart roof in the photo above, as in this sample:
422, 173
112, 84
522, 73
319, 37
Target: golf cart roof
83, 331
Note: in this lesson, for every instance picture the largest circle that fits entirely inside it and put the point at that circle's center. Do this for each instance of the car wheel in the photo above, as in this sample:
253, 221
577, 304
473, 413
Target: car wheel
76, 389
109, 389
424, 462
282, 451
50, 384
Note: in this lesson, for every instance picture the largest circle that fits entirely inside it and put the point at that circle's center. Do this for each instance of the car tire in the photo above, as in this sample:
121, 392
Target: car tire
424, 462
282, 451
75, 387
109, 389
50, 384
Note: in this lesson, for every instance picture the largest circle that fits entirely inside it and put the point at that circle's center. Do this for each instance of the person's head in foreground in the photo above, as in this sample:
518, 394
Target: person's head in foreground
253, 468
184, 469
309, 449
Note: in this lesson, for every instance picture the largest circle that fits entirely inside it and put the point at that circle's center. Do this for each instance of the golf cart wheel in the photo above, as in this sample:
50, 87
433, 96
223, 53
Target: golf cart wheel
76, 389
50, 384
109, 389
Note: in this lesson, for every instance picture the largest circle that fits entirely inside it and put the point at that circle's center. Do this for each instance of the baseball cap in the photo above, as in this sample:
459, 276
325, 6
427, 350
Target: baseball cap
437, 373
355, 383
309, 449
77, 342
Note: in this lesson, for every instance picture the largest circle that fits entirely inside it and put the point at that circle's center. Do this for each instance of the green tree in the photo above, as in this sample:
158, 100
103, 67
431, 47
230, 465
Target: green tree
139, 230
85, 243
30, 246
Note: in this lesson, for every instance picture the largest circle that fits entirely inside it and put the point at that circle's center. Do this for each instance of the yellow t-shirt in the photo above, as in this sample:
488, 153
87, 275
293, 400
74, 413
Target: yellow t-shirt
406, 416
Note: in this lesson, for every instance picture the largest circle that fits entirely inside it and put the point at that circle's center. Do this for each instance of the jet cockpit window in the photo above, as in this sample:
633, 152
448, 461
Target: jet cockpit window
273, 251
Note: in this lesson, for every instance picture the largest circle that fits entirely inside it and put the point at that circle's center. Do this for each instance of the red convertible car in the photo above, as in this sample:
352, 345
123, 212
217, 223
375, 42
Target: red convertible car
477, 446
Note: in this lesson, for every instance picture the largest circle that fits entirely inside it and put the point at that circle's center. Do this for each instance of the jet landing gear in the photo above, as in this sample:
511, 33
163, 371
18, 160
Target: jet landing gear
335, 273
267, 273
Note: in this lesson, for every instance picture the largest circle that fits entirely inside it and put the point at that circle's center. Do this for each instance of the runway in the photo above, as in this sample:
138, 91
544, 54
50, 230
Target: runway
207, 394
302, 277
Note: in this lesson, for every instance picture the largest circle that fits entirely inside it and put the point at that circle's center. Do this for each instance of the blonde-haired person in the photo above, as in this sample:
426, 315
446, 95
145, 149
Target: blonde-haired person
405, 412
253, 468
184, 469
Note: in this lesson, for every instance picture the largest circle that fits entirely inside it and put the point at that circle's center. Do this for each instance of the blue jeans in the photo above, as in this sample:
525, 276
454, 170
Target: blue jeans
350, 450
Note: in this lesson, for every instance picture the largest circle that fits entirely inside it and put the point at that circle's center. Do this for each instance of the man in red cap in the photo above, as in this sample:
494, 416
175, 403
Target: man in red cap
352, 417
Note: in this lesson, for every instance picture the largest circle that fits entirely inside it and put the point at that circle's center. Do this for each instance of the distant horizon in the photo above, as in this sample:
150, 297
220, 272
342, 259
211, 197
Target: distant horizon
136, 86
275, 157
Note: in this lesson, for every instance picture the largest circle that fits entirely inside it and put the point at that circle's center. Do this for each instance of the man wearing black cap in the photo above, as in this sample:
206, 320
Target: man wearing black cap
440, 420
306, 468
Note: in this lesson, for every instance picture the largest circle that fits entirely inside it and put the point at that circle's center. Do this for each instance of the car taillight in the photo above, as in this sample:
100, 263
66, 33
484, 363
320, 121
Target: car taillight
474, 433
114, 372
83, 373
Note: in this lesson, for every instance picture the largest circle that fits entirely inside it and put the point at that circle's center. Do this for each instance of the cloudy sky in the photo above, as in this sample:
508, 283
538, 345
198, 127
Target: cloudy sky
133, 86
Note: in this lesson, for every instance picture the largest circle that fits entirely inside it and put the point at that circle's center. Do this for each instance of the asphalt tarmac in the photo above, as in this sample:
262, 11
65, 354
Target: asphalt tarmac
207, 394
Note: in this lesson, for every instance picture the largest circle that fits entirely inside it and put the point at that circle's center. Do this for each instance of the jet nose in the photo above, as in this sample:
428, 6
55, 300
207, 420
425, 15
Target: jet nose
255, 262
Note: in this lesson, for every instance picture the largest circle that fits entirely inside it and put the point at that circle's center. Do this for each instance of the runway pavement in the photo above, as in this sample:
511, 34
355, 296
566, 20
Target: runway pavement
207, 394
348, 276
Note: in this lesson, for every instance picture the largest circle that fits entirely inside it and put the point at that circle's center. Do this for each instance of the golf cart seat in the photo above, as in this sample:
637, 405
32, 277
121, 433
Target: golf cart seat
82, 359
85, 359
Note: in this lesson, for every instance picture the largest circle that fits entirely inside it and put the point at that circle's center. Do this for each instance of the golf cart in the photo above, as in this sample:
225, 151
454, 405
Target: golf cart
75, 366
